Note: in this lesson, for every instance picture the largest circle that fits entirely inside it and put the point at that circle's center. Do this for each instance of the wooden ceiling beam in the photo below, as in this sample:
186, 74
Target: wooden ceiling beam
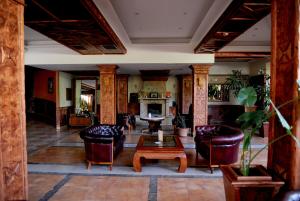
237, 18
242, 55
76, 24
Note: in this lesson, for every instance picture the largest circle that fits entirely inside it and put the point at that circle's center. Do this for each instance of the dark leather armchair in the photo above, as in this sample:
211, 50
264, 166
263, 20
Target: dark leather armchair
102, 143
218, 144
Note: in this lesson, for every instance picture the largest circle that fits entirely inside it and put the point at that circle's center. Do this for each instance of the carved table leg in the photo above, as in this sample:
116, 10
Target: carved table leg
89, 164
183, 164
137, 162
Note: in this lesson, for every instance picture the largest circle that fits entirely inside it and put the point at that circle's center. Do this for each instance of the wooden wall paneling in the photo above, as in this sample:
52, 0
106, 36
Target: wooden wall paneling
200, 94
284, 155
187, 93
107, 94
122, 93
13, 156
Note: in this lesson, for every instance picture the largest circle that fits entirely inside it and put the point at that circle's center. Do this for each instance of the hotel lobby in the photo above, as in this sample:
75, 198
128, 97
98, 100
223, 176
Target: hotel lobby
95, 95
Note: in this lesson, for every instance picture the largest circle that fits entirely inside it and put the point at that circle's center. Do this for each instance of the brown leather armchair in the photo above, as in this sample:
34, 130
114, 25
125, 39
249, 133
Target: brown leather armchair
218, 144
102, 143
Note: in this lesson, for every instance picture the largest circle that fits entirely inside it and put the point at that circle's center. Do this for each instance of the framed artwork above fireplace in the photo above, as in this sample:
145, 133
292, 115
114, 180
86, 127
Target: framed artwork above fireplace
153, 95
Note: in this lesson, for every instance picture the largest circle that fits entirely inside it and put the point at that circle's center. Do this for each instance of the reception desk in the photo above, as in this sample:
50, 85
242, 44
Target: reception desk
78, 120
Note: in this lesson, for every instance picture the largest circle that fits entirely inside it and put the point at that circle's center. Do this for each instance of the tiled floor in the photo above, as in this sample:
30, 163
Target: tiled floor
57, 171
115, 188
190, 189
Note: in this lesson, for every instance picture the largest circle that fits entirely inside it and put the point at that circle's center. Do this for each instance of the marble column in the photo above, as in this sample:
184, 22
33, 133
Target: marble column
107, 94
13, 155
284, 155
200, 94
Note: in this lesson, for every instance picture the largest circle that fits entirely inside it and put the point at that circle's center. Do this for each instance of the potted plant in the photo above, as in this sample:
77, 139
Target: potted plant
247, 97
265, 96
247, 181
180, 124
235, 82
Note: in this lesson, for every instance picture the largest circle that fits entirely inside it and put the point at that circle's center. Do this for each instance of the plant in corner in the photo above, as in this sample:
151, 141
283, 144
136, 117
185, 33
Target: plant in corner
235, 82
247, 97
180, 124
250, 123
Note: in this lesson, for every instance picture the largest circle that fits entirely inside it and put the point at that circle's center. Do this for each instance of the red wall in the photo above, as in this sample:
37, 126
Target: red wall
41, 85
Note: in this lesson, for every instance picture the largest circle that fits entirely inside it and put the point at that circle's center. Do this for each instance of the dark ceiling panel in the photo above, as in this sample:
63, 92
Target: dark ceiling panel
77, 24
237, 18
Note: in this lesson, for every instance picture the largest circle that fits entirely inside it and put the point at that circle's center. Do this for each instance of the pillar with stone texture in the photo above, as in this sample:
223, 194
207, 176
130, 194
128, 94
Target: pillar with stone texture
200, 94
13, 155
284, 155
107, 94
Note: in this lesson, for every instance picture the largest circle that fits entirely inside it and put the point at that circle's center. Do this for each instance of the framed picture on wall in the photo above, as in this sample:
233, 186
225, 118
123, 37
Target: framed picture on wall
153, 95
50, 85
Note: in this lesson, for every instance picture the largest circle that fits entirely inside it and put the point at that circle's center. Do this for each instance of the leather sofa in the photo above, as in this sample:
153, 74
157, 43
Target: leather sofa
102, 143
219, 144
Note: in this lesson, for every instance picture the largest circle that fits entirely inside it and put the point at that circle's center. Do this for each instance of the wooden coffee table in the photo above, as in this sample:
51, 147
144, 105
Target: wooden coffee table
170, 148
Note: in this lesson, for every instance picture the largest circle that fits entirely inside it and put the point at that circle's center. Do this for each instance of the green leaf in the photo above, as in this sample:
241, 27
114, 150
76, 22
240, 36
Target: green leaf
247, 141
252, 120
283, 122
247, 96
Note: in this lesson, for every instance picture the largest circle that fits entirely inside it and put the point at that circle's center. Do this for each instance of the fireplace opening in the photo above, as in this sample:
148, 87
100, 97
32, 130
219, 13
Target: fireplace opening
155, 109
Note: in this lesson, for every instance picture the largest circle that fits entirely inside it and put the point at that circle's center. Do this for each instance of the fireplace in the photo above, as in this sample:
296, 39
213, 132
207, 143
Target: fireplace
154, 108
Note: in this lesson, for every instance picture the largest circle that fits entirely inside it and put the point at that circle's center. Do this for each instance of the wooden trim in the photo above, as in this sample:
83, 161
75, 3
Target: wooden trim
92, 8
246, 55
230, 25
13, 154
284, 155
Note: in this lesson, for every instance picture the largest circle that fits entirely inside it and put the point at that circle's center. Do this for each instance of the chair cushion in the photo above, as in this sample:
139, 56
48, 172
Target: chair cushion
102, 131
218, 134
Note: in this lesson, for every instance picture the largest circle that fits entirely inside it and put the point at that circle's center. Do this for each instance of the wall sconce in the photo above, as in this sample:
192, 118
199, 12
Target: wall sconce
199, 82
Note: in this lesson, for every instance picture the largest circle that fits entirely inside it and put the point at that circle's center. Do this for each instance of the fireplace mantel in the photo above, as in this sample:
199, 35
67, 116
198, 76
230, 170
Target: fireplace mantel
165, 102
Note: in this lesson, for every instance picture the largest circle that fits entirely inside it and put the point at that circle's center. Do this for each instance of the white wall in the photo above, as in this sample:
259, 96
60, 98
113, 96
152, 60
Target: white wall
65, 81
135, 84
77, 93
255, 66
225, 68
172, 86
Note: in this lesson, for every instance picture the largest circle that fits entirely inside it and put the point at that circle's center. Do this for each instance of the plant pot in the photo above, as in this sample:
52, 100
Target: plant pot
183, 132
250, 108
259, 186
264, 130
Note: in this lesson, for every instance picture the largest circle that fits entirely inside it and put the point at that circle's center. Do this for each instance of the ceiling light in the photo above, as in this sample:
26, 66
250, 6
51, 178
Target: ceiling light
136, 13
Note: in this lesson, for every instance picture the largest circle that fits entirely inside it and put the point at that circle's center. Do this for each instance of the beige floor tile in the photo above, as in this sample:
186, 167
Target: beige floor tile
88, 188
190, 189
40, 184
63, 155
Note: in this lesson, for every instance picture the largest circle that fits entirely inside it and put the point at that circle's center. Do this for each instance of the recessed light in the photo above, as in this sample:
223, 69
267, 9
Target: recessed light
179, 28
136, 13
184, 13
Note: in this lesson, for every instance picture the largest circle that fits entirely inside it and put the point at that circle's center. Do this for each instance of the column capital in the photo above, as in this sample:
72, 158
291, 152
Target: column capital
200, 68
107, 68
